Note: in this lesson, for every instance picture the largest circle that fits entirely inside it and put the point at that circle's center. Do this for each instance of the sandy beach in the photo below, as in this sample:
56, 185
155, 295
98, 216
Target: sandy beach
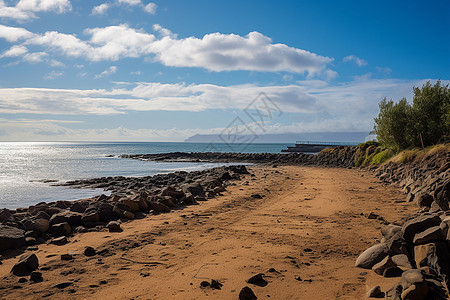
304, 235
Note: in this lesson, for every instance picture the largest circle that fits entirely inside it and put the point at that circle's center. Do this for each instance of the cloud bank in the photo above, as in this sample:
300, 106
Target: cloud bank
214, 52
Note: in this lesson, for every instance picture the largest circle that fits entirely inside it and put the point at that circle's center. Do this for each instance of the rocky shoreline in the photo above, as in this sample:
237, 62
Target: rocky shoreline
131, 198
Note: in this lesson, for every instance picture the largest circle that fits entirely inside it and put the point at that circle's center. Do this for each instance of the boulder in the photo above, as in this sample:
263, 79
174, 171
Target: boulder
133, 205
114, 226
27, 263
89, 251
77, 207
105, 211
402, 261
90, 217
70, 217
375, 292
62, 229
247, 294
41, 225
434, 233
419, 224
418, 291
36, 277
42, 215
433, 255
59, 241
158, 207
442, 195
11, 237
424, 199
383, 265
371, 256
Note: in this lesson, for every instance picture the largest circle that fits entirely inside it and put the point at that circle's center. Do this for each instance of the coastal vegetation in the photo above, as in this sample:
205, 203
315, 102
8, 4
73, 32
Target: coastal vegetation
408, 132
423, 123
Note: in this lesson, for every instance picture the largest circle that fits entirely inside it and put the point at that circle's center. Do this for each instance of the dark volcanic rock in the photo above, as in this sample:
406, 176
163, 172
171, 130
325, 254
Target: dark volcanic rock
62, 229
89, 251
258, 280
11, 237
27, 263
247, 294
419, 224
114, 226
36, 276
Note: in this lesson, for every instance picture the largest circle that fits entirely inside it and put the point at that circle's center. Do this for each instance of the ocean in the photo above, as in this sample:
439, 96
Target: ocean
28, 169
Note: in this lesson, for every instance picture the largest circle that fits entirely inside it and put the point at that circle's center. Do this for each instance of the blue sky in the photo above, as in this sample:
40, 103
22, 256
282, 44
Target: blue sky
134, 70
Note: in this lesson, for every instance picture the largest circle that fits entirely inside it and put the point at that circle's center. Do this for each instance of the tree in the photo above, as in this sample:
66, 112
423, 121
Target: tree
401, 125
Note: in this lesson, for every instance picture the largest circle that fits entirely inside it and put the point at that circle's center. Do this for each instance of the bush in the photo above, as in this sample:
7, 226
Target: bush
426, 122
381, 157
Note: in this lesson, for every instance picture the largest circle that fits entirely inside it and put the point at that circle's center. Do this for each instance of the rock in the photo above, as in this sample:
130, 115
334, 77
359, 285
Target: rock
442, 195
105, 212
371, 256
375, 292
77, 207
36, 276
11, 237
256, 196
216, 285
434, 233
424, 199
418, 291
419, 224
383, 265
27, 263
30, 241
204, 283
445, 225
402, 261
70, 217
23, 280
258, 280
114, 226
89, 251
41, 225
247, 294
159, 207
62, 229
411, 277
62, 240
433, 255
392, 272
90, 217
121, 212
42, 215
394, 293
132, 204
66, 256
372, 215
63, 285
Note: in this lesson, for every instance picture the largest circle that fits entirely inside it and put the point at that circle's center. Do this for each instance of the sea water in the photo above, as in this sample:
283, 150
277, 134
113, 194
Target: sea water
29, 170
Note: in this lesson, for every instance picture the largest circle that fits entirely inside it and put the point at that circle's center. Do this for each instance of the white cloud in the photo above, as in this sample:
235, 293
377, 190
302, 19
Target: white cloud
130, 2
34, 57
384, 70
56, 63
100, 9
107, 72
150, 8
360, 62
15, 13
14, 51
13, 34
214, 52
54, 75
164, 31
59, 6
24, 10
136, 73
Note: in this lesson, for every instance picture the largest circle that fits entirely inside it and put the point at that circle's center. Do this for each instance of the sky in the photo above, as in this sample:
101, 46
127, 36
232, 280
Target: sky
134, 70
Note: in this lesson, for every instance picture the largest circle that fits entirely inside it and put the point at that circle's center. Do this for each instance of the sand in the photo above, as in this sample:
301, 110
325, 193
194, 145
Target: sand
311, 224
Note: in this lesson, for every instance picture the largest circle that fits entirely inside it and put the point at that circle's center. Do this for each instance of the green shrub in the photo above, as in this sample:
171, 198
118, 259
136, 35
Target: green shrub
426, 122
381, 157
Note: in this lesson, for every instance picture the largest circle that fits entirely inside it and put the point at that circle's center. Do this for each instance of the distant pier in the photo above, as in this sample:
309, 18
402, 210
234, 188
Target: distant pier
314, 147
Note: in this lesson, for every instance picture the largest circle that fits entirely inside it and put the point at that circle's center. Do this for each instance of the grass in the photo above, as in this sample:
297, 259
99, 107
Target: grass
418, 154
